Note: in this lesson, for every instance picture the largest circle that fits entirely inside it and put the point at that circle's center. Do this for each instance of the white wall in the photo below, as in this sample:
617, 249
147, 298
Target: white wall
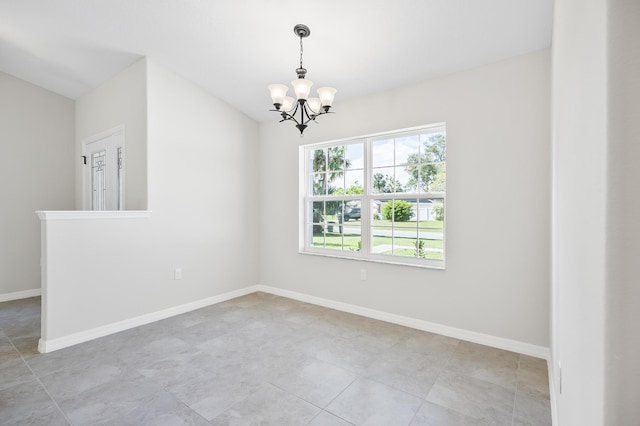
121, 100
36, 172
596, 63
202, 170
202, 158
497, 276
623, 214
579, 180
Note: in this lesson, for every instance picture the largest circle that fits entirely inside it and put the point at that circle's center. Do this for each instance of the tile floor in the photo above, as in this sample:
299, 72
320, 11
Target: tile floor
263, 359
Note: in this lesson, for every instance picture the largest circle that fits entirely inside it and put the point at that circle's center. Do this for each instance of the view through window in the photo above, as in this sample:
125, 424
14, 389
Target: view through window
378, 198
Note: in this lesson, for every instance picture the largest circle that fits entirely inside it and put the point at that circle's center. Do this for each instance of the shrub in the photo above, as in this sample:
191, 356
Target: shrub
398, 211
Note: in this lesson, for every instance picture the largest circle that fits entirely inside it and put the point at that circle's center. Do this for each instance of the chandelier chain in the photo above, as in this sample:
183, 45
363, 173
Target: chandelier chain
301, 50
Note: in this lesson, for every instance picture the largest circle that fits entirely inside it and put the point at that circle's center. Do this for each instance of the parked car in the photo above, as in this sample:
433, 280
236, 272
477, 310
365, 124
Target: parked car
351, 213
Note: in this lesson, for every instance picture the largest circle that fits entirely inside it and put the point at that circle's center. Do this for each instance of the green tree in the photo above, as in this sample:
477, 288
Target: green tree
385, 184
397, 210
354, 189
427, 169
328, 165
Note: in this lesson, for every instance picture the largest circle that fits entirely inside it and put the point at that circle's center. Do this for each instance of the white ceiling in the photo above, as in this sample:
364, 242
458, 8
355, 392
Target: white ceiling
235, 48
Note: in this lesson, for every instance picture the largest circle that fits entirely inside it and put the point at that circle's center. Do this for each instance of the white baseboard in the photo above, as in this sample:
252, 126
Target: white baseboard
51, 345
457, 333
20, 295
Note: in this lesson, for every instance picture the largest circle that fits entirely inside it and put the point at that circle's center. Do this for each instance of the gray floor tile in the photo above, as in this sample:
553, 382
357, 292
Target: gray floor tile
27, 346
473, 397
7, 350
367, 402
29, 404
423, 342
328, 419
533, 377
80, 378
407, 371
22, 327
83, 354
161, 409
179, 369
314, 381
340, 352
268, 406
531, 411
211, 394
22, 308
431, 414
110, 400
482, 362
14, 371
264, 359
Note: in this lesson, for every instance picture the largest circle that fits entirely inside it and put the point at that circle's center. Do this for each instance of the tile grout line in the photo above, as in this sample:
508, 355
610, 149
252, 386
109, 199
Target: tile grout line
40, 382
172, 395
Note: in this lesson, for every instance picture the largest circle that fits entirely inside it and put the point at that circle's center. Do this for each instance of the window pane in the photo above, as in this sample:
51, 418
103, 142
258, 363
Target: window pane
400, 212
350, 226
351, 211
404, 183
318, 160
317, 236
383, 181
438, 178
382, 240
332, 209
430, 228
317, 209
406, 149
336, 158
335, 185
377, 212
434, 147
354, 182
355, 156
382, 153
319, 184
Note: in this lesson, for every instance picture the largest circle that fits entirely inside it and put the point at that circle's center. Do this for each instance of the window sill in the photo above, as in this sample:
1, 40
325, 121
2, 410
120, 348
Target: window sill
439, 266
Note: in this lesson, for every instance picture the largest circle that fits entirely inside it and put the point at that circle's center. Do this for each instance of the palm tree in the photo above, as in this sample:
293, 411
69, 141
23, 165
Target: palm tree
328, 165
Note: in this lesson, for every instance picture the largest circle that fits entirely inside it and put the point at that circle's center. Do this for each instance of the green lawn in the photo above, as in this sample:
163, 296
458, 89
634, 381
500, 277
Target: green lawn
351, 242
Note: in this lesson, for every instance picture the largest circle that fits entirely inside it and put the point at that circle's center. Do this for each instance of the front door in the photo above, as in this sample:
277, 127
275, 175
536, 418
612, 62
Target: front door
104, 170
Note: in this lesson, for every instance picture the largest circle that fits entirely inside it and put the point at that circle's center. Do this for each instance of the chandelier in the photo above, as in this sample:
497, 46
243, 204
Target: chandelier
305, 108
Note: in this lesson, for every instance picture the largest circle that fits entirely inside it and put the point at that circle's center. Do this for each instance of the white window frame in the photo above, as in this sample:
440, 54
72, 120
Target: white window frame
366, 200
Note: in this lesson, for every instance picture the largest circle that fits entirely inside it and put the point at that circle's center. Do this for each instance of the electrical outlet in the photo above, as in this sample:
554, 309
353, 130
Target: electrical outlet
363, 274
177, 274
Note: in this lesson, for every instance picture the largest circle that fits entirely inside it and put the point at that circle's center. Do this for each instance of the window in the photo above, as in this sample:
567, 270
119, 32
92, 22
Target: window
378, 198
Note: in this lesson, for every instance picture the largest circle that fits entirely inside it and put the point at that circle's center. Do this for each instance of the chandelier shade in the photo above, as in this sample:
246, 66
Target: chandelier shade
303, 109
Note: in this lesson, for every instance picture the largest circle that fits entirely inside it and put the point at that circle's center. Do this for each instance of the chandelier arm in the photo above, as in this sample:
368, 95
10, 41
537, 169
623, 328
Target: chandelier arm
311, 117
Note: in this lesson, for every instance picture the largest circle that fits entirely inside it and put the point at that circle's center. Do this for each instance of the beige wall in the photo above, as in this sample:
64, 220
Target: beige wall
36, 172
498, 194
